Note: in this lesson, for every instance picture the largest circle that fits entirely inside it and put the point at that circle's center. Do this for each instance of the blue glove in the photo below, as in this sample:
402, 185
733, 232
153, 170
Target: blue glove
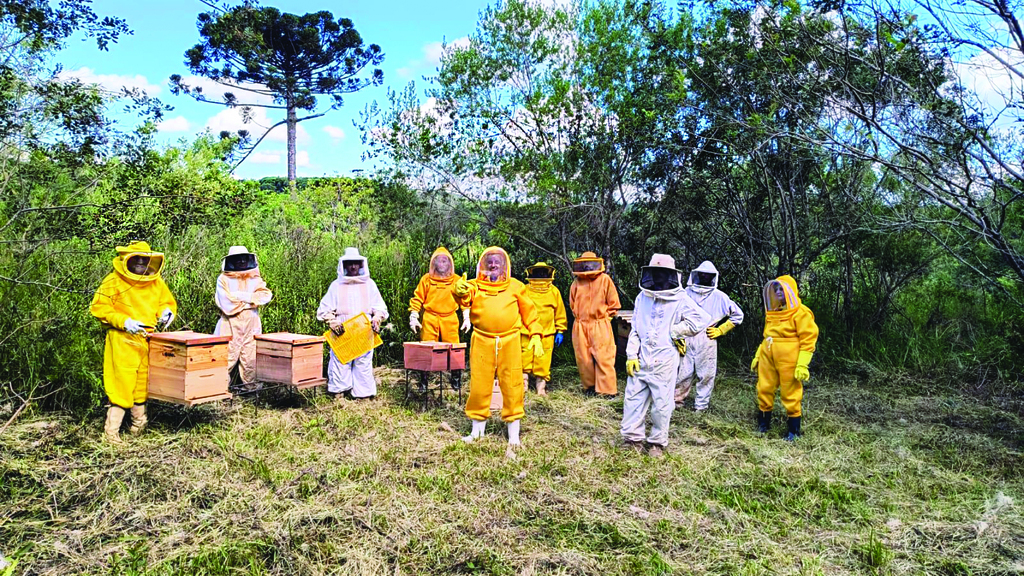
558, 339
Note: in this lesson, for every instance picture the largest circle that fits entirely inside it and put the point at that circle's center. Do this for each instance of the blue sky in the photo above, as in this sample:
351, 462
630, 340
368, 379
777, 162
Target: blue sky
409, 32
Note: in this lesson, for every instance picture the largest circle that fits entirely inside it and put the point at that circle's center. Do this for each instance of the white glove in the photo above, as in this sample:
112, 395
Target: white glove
245, 297
414, 322
133, 326
337, 325
166, 318
466, 324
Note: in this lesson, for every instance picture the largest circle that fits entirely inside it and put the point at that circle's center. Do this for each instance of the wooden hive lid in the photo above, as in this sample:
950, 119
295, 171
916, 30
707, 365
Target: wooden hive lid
189, 338
289, 338
428, 345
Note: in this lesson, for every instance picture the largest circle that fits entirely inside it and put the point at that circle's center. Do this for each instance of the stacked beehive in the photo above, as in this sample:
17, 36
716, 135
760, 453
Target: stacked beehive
188, 368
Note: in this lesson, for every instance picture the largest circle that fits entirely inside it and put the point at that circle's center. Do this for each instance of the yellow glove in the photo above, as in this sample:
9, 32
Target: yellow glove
535, 346
632, 366
680, 345
719, 331
757, 356
462, 287
803, 360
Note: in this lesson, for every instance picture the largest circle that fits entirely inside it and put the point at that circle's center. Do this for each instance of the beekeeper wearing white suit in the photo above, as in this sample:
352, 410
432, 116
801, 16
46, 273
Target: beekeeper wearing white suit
354, 292
240, 293
663, 316
701, 360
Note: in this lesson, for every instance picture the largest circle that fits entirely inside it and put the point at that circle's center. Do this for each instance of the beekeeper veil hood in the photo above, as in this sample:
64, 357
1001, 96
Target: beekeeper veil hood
703, 278
588, 265
239, 259
347, 272
661, 279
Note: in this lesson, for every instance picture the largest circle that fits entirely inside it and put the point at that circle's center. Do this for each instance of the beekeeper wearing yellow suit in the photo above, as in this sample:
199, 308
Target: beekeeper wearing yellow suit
783, 358
434, 297
240, 292
551, 316
498, 307
594, 299
131, 300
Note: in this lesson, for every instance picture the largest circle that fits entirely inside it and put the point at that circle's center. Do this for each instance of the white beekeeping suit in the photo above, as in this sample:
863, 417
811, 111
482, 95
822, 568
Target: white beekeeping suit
701, 360
663, 313
240, 293
354, 292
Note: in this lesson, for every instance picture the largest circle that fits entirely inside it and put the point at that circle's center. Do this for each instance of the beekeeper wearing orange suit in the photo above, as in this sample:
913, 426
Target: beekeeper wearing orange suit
551, 316
498, 307
783, 358
131, 300
434, 298
594, 299
240, 293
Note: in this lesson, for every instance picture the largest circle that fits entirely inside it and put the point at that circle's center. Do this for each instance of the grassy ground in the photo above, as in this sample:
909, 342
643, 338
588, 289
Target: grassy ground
923, 483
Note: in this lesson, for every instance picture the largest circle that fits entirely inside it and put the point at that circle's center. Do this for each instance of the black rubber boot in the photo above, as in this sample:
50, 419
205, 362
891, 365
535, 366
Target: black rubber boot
793, 425
456, 379
764, 421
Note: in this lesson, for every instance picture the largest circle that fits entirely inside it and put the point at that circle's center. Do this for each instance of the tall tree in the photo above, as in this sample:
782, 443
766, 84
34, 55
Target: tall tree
544, 106
280, 61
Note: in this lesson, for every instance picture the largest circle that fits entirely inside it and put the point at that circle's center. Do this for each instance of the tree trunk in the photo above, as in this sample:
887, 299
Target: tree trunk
292, 123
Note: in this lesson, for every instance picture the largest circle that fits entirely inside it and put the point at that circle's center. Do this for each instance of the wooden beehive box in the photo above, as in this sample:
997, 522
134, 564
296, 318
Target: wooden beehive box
426, 356
188, 368
293, 359
457, 357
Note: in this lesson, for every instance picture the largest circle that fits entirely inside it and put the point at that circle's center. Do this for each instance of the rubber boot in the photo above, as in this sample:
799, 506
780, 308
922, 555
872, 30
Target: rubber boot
456, 379
513, 433
764, 421
479, 426
139, 419
793, 427
542, 387
112, 426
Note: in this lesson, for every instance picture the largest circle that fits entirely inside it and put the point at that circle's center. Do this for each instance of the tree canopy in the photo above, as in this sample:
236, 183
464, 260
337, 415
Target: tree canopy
279, 61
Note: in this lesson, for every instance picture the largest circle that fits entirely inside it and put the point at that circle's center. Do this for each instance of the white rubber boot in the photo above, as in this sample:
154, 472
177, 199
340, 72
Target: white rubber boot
479, 426
513, 433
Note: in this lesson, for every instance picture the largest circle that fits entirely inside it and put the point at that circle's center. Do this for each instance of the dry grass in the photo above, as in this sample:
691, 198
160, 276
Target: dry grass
881, 483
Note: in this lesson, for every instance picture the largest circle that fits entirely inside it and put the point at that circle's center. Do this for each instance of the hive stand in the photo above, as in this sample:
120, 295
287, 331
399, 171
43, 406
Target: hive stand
431, 368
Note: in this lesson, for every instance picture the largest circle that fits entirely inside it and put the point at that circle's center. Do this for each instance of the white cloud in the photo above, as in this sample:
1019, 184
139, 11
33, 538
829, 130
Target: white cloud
995, 84
110, 82
232, 120
264, 158
176, 124
431, 56
337, 134
302, 158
